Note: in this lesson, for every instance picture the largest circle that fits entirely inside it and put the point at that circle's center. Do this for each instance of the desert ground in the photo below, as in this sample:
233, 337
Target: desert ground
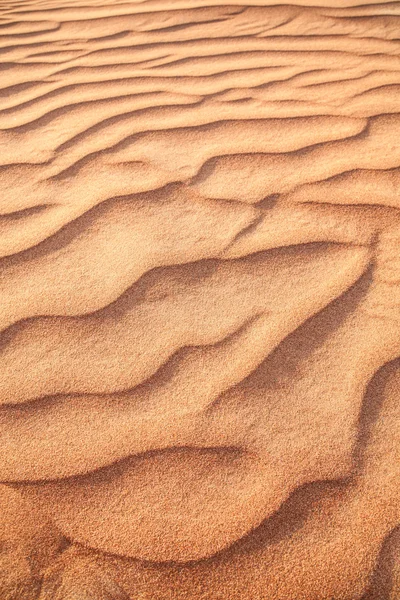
199, 300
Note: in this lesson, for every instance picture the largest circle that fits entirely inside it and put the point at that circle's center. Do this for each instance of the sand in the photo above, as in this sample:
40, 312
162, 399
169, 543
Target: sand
200, 300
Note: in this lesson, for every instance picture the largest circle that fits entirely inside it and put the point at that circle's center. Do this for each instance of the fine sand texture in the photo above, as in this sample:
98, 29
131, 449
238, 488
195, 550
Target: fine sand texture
199, 300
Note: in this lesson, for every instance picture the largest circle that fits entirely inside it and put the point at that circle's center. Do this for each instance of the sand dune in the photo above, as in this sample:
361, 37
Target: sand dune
200, 301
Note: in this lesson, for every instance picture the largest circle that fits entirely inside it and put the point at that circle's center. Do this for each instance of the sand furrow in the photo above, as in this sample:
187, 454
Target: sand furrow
104, 351
128, 236
223, 365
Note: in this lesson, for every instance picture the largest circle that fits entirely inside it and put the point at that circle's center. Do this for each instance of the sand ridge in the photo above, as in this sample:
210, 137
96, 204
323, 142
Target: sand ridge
199, 282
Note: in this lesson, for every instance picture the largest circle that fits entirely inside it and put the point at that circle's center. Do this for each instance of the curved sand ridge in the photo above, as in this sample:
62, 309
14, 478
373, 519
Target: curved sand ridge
199, 291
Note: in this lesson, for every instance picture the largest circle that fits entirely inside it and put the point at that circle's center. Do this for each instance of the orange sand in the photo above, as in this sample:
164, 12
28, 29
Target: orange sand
200, 300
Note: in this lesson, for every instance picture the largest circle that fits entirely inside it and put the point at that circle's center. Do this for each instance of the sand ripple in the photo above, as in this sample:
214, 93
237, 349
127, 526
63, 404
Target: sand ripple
199, 315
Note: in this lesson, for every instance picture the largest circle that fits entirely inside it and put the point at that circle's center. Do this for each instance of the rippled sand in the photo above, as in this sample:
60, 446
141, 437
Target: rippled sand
199, 300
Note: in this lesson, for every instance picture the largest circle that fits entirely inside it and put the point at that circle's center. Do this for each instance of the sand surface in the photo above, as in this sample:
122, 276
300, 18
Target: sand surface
199, 300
